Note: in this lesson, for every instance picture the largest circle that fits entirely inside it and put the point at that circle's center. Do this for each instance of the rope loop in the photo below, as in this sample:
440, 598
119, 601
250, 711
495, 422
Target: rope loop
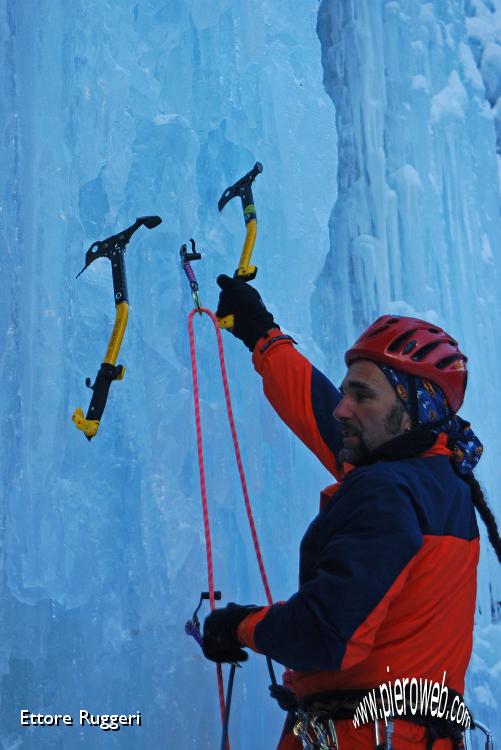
203, 485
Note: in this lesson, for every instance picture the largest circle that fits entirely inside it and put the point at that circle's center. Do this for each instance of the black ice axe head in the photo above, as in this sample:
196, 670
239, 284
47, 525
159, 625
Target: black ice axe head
117, 242
242, 188
149, 221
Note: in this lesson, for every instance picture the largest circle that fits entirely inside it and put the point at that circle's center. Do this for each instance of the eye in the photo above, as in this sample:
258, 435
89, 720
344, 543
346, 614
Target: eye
361, 396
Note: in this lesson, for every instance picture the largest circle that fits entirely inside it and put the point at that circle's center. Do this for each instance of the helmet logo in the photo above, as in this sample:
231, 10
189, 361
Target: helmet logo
459, 364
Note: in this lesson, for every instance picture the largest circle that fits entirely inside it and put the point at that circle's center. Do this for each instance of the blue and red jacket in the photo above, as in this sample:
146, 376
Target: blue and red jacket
387, 577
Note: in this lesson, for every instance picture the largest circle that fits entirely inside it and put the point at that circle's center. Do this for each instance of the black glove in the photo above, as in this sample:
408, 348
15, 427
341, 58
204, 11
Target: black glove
252, 319
220, 642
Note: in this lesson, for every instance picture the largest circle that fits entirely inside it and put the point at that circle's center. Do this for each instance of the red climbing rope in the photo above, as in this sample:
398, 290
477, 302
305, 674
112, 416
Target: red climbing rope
203, 487
237, 454
203, 490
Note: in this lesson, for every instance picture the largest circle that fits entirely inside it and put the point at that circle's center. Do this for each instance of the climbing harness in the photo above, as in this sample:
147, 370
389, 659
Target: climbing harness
315, 715
112, 248
243, 188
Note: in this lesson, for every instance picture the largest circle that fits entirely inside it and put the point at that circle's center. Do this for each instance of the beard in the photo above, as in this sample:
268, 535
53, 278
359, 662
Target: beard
358, 452
393, 420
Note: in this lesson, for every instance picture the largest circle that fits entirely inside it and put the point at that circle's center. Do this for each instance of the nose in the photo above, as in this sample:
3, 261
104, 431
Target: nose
343, 409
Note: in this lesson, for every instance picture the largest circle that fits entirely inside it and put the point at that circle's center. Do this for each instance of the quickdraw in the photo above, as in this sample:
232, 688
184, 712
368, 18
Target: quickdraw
192, 626
186, 259
243, 188
112, 248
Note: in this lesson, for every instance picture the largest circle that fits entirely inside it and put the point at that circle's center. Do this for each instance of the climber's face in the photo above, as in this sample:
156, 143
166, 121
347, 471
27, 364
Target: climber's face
370, 412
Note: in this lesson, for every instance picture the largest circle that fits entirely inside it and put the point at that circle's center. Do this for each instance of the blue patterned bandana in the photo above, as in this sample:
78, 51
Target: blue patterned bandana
425, 403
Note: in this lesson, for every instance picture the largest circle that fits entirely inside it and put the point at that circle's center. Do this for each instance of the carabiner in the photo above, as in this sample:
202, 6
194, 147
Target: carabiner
186, 257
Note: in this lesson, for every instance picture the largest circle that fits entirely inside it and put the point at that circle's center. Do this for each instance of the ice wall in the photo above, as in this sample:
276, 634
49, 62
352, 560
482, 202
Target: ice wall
115, 109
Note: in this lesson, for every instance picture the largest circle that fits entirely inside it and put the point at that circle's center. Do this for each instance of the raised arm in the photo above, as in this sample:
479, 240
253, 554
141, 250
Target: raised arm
300, 394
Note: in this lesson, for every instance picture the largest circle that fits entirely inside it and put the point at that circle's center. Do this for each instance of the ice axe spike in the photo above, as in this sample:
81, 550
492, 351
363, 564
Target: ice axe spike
243, 188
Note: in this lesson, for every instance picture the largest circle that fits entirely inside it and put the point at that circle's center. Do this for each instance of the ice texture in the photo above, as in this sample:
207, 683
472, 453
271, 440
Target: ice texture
376, 124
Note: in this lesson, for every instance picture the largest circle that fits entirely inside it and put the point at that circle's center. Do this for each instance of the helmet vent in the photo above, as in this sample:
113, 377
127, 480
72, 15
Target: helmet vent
425, 350
434, 330
446, 361
378, 330
409, 347
384, 327
400, 340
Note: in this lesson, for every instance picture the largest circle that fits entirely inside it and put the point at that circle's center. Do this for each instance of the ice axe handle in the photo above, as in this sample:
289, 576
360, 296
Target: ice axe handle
89, 424
228, 322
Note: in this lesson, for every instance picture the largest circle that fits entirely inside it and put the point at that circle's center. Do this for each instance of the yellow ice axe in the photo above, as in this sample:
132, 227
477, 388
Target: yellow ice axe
114, 249
243, 188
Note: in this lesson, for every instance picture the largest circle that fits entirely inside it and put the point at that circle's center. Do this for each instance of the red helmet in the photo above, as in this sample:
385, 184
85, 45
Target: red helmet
418, 348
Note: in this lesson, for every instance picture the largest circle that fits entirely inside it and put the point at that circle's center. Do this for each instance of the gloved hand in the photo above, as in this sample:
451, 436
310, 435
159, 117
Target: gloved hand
220, 641
252, 319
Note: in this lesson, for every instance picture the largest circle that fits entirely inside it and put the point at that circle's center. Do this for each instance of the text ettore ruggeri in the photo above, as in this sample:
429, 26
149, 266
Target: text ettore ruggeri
105, 722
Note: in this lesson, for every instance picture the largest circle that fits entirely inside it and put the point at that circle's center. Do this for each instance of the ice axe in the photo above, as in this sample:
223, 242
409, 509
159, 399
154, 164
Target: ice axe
243, 188
112, 248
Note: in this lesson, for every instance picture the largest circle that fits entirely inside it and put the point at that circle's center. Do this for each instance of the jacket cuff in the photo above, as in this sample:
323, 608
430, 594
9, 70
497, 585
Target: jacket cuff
245, 631
275, 337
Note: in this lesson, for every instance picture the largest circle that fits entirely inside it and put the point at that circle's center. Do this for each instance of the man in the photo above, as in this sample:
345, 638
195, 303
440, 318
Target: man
387, 579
